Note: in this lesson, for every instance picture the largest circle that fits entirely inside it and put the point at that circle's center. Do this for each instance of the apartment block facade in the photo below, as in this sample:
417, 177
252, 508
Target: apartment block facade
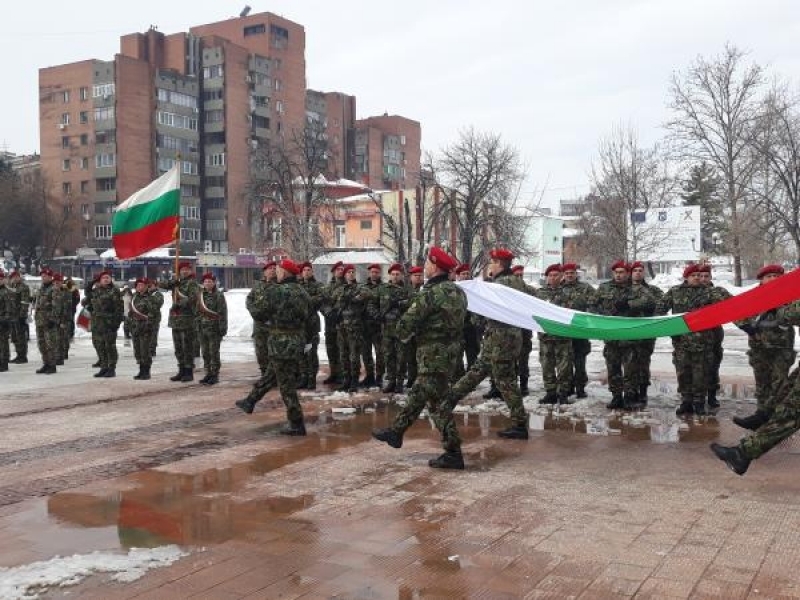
388, 152
335, 114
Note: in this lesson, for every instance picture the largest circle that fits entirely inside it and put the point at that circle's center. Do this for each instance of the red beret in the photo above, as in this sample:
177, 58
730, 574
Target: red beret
2, 274
102, 273
374, 266
636, 265
769, 270
208, 275
15, 273
396, 267
269, 264
142, 280
554, 267
518, 269
462, 268
336, 265
415, 270
291, 266
184, 265
442, 259
58, 277
570, 267
502, 254
349, 267
693, 268
704, 268
620, 264
46, 271
305, 264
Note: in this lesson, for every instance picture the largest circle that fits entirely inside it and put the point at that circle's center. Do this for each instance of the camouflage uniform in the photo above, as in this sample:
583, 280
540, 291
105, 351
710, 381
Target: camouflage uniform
498, 357
643, 303
409, 358
158, 300
393, 302
689, 351
350, 305
260, 336
213, 327
183, 322
332, 318
67, 318
435, 319
310, 363
7, 317
144, 317
106, 319
555, 353
579, 295
284, 308
717, 294
612, 298
372, 334
49, 309
21, 303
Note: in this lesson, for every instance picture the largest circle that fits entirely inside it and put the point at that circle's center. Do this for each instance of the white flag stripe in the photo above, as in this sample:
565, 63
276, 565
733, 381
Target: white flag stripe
167, 182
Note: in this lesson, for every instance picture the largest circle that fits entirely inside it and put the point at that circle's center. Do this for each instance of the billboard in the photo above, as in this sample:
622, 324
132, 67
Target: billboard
666, 234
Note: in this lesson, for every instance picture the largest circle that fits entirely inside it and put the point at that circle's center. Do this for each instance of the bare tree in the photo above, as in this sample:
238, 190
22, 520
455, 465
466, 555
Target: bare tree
715, 105
481, 176
286, 194
629, 181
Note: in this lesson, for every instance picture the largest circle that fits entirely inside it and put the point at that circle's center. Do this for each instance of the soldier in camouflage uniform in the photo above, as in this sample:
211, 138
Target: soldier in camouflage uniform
393, 302
435, 318
145, 313
499, 353
523, 362
473, 331
410, 349
577, 295
7, 317
310, 363
771, 353
332, 318
259, 329
212, 312
106, 307
644, 300
689, 351
350, 306
21, 302
47, 319
372, 328
717, 294
66, 317
555, 352
182, 319
613, 298
783, 421
285, 308
158, 300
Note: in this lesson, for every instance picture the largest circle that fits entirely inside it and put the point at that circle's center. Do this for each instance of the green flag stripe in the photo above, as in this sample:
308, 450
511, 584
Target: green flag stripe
142, 215
598, 327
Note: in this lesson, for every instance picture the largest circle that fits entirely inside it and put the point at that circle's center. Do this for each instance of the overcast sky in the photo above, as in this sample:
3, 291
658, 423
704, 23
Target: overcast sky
551, 77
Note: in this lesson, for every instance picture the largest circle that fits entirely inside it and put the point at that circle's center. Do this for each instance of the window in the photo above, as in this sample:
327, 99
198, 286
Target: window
84, 93
106, 185
278, 85
84, 117
214, 204
103, 90
214, 116
215, 160
84, 139
84, 209
365, 224
105, 137
177, 98
65, 96
261, 100
189, 191
279, 107
190, 235
218, 225
105, 160
65, 141
85, 163
215, 181
169, 142
255, 29
189, 168
177, 121
213, 95
102, 232
104, 208
65, 118
104, 114
278, 37
261, 79
212, 72
65, 164
190, 212
339, 236
66, 188
84, 187
402, 140
260, 122
275, 231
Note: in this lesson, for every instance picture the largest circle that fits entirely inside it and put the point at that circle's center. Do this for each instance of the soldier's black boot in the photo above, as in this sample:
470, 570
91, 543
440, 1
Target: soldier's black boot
144, 373
700, 407
411, 380
246, 404
139, 374
686, 407
332, 379
389, 387
368, 381
448, 460
515, 432
60, 361
188, 375
563, 398
733, 457
580, 392
390, 436
110, 372
211, 379
41, 370
549, 398
101, 372
752, 422
398, 388
294, 428
178, 376
20, 360
204, 380
353, 385
643, 395
3, 367
617, 402
713, 403
492, 393
523, 386
630, 400
345, 387
311, 383
49, 369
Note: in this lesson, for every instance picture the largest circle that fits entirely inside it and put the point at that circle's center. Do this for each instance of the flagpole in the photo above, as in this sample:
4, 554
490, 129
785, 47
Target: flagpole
178, 225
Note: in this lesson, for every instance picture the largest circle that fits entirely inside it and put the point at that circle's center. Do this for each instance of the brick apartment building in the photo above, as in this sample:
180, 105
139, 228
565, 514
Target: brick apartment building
336, 114
387, 152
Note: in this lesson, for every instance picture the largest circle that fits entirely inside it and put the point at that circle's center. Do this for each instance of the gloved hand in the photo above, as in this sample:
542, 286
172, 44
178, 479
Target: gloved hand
621, 304
768, 324
306, 348
748, 329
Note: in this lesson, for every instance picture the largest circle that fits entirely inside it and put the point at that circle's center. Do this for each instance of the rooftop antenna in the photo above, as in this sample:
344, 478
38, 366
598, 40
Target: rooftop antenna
245, 11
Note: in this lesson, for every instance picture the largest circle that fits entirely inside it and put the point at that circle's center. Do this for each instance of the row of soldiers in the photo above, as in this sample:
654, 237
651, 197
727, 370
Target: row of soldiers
15, 303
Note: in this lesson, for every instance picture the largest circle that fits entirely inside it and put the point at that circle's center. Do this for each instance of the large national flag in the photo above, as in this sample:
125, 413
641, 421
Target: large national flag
149, 218
507, 305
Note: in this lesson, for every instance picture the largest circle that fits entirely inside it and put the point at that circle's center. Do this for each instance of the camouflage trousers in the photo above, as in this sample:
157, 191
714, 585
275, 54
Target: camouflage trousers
142, 339
555, 357
47, 340
5, 344
716, 359
154, 338
430, 389
63, 341
580, 350
281, 372
504, 374
372, 341
105, 344
184, 341
351, 343
771, 368
642, 356
619, 365
309, 366
19, 335
260, 340
332, 347
196, 340
525, 353
472, 345
409, 361
392, 353
783, 422
210, 341
692, 365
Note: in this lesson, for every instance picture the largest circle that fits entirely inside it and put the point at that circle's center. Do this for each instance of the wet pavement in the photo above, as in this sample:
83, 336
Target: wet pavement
595, 505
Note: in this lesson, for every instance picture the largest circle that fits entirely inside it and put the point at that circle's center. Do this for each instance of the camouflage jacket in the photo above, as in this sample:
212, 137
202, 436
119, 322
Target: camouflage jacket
685, 298
145, 312
578, 295
20, 299
553, 295
256, 290
106, 309
183, 312
350, 304
315, 291
7, 312
643, 299
66, 301
371, 293
774, 329
158, 299
285, 308
49, 306
393, 302
328, 304
435, 320
611, 298
215, 303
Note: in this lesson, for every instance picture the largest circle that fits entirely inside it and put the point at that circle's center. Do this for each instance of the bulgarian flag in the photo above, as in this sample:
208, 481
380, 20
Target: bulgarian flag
507, 305
149, 218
